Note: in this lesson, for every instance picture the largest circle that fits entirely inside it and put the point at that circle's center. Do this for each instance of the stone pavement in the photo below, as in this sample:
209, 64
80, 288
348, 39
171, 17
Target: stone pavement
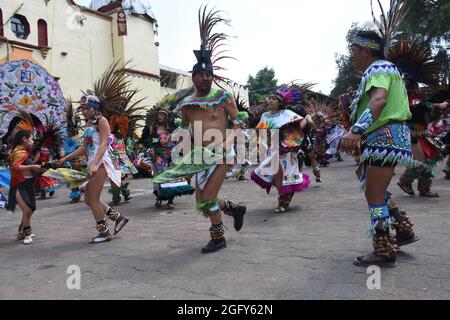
306, 253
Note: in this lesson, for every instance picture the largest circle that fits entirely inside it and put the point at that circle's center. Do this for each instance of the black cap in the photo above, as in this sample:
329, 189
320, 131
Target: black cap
204, 62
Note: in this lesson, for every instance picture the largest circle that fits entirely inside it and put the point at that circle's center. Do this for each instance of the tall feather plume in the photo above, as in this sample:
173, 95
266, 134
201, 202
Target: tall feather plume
241, 103
114, 88
216, 42
389, 24
73, 121
417, 61
51, 137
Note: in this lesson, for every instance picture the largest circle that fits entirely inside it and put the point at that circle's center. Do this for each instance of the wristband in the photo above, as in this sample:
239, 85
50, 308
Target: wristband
364, 122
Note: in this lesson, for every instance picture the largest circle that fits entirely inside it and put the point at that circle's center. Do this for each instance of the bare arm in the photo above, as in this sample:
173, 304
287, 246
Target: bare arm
232, 111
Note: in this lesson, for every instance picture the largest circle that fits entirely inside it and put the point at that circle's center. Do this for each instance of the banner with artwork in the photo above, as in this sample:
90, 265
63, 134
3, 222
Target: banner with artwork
27, 86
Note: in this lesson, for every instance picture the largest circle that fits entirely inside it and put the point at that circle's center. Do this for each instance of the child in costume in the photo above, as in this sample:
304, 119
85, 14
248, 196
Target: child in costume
23, 173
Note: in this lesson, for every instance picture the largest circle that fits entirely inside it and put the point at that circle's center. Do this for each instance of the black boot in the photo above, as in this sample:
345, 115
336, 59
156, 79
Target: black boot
237, 211
217, 241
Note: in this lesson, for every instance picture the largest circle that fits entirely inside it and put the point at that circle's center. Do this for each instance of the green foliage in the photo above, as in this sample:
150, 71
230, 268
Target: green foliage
427, 20
261, 85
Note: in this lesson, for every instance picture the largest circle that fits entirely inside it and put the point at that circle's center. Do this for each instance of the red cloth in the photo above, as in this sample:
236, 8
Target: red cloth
18, 157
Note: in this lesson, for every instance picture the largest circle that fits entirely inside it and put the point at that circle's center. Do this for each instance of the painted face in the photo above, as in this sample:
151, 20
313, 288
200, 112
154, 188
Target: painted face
273, 104
203, 81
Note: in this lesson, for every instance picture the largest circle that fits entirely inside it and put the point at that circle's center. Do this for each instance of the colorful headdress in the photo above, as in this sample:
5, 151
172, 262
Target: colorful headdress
212, 48
320, 111
167, 105
50, 137
388, 26
289, 95
416, 61
26, 121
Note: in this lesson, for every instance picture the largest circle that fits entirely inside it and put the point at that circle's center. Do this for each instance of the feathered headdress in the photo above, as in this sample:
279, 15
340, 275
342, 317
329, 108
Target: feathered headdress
213, 44
73, 121
116, 96
26, 121
320, 111
243, 114
389, 24
416, 61
290, 95
50, 137
112, 89
167, 106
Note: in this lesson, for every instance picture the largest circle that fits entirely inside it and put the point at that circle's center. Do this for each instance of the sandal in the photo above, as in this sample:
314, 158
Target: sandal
372, 259
407, 189
429, 195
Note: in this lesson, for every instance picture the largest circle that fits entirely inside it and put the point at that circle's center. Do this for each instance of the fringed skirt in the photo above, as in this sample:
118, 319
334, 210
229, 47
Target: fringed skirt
388, 146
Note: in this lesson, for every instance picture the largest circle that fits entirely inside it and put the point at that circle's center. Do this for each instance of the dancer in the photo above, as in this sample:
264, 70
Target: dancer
120, 128
211, 107
379, 114
161, 124
23, 174
71, 143
286, 177
418, 65
97, 145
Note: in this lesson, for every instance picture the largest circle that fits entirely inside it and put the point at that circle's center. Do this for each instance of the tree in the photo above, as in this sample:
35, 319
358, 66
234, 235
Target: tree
347, 76
429, 21
261, 85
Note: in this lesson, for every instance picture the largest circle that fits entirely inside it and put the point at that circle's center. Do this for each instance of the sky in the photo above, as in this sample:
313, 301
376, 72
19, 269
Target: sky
297, 38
